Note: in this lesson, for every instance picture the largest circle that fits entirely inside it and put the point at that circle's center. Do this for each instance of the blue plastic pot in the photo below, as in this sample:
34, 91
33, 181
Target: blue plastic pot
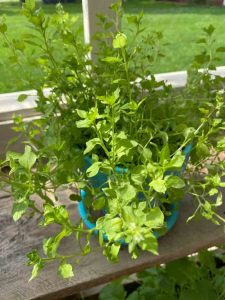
101, 178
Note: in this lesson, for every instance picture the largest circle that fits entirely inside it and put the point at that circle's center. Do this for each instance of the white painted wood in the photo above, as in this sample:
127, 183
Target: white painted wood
92, 8
86, 21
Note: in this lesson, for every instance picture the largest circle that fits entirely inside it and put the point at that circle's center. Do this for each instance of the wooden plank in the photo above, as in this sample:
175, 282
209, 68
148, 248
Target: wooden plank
17, 239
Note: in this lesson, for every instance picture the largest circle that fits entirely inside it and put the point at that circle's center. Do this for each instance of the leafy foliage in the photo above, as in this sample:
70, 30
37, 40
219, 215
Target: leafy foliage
113, 109
187, 278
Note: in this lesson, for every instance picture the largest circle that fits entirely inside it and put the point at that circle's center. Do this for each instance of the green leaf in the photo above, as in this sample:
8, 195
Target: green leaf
82, 113
174, 182
149, 244
176, 161
123, 146
87, 247
19, 208
146, 154
83, 123
65, 270
200, 290
50, 245
36, 269
22, 97
202, 150
213, 192
207, 259
28, 159
99, 203
159, 185
126, 192
139, 175
155, 218
115, 248
119, 41
189, 133
219, 199
209, 30
110, 99
165, 154
112, 251
33, 257
182, 271
111, 59
93, 169
113, 291
91, 144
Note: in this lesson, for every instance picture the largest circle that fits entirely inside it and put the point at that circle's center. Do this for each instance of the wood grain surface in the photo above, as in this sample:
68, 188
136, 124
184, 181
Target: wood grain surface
16, 239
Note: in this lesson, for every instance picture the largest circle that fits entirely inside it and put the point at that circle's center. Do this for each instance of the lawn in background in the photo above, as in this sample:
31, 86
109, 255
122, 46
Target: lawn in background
181, 25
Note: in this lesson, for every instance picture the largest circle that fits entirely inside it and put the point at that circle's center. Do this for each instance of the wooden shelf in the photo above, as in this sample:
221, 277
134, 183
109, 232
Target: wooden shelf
19, 238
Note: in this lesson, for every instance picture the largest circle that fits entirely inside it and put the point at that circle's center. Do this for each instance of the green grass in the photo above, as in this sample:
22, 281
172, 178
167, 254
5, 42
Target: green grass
181, 25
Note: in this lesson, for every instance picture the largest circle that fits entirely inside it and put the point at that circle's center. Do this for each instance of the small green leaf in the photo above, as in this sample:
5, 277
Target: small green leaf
99, 203
159, 185
176, 161
81, 113
65, 270
209, 30
119, 41
219, 199
87, 247
139, 175
207, 258
202, 150
213, 192
174, 182
19, 208
146, 154
93, 169
155, 218
113, 291
111, 59
33, 257
126, 192
112, 251
83, 123
36, 269
149, 244
91, 144
28, 159
22, 97
165, 154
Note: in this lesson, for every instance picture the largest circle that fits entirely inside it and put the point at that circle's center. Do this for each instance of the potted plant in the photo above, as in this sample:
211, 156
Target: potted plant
112, 131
